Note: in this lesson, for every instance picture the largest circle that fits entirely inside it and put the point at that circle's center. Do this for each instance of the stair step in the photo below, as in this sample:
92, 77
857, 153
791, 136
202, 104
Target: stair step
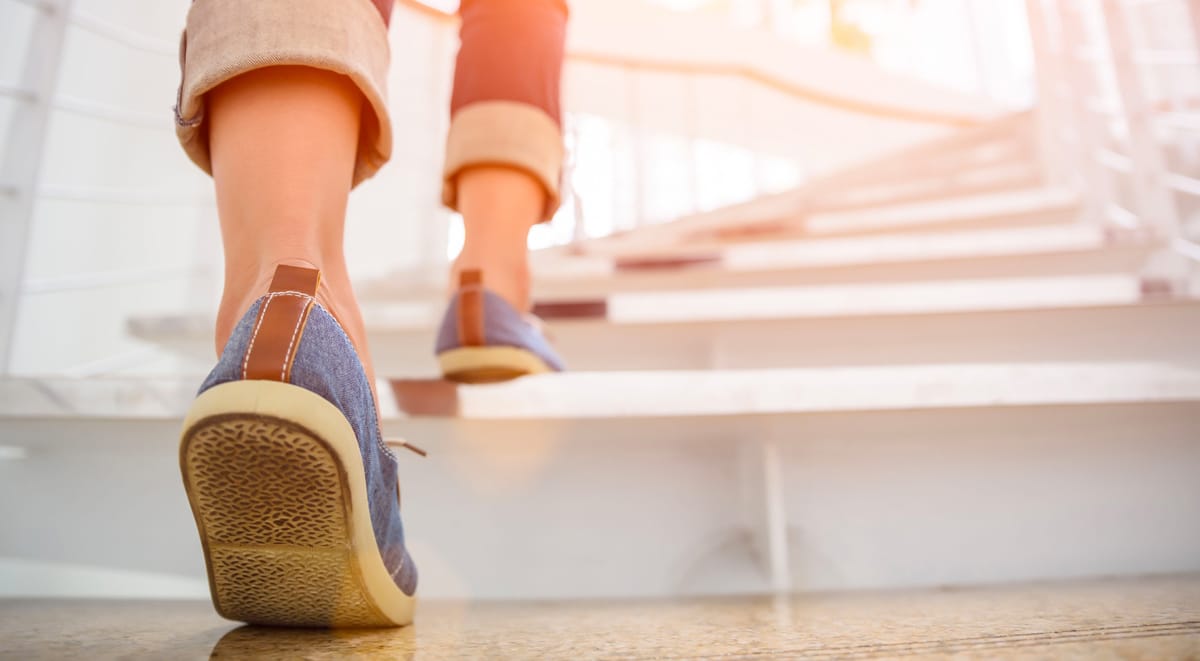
919, 247
624, 395
785, 219
871, 299
1075, 249
969, 179
962, 150
632, 395
402, 345
1006, 209
870, 478
984, 254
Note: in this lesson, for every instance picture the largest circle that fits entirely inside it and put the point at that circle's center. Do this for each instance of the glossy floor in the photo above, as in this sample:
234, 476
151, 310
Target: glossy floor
1149, 618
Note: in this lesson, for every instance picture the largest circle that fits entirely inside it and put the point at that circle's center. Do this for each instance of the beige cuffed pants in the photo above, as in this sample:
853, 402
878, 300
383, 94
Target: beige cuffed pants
505, 109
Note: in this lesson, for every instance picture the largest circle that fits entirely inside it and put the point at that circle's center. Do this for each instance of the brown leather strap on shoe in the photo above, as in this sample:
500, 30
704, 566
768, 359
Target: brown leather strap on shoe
280, 324
470, 308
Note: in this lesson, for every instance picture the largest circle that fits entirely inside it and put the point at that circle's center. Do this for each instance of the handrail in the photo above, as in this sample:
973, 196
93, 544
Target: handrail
112, 113
123, 35
163, 47
778, 84
136, 196
39, 5
1189, 249
1183, 183
102, 279
16, 92
1166, 57
752, 74
1141, 160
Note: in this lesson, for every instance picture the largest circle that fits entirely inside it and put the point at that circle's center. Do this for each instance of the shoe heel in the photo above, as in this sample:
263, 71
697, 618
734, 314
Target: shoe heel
474, 361
489, 364
272, 476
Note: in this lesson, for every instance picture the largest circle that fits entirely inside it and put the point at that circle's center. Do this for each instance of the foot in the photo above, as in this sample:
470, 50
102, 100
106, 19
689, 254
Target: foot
483, 338
507, 278
244, 286
294, 493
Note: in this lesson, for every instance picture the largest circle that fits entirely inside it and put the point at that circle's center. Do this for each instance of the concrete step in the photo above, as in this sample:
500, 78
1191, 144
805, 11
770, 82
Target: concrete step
662, 394
1095, 332
967, 179
1114, 325
962, 163
631, 395
851, 300
714, 483
1056, 250
1008, 208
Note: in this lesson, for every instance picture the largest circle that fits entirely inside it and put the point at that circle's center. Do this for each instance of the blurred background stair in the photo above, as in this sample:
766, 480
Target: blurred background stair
960, 350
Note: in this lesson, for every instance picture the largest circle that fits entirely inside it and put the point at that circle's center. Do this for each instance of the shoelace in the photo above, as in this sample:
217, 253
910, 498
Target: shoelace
401, 443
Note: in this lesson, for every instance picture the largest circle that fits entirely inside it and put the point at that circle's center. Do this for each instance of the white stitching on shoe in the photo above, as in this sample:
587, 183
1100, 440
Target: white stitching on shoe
262, 314
379, 442
295, 333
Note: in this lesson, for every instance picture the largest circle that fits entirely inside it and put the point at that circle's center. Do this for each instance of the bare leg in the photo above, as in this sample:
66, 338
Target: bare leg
499, 206
283, 143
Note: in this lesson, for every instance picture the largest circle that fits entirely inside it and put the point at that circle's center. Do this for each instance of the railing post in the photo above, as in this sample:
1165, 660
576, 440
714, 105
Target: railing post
1090, 134
765, 507
22, 161
1155, 201
691, 131
1049, 109
1193, 7
637, 135
974, 34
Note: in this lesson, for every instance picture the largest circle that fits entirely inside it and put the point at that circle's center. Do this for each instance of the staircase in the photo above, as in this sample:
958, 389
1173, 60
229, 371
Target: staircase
948, 366
894, 377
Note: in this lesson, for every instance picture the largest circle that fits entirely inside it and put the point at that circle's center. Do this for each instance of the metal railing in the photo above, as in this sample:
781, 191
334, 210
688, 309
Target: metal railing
1120, 109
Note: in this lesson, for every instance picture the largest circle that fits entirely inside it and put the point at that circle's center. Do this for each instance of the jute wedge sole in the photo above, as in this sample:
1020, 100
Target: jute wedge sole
275, 480
489, 364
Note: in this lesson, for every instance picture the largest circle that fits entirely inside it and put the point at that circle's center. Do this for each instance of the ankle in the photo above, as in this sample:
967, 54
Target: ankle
507, 278
246, 284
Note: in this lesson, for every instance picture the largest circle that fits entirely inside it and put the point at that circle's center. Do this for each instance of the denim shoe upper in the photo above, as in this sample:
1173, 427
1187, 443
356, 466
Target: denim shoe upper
503, 326
327, 364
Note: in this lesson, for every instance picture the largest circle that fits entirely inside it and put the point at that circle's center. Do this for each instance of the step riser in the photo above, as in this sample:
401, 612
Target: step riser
1148, 332
991, 180
1152, 333
604, 508
754, 272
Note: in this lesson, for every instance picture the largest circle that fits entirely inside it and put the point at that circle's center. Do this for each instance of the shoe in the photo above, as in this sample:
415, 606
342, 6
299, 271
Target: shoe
483, 339
294, 492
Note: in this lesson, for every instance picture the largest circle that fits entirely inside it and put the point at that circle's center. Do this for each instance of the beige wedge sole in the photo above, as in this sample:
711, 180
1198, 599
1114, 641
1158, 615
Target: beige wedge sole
489, 364
275, 480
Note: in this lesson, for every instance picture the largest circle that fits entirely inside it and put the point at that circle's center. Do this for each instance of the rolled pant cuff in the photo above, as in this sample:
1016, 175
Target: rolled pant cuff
227, 38
504, 133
